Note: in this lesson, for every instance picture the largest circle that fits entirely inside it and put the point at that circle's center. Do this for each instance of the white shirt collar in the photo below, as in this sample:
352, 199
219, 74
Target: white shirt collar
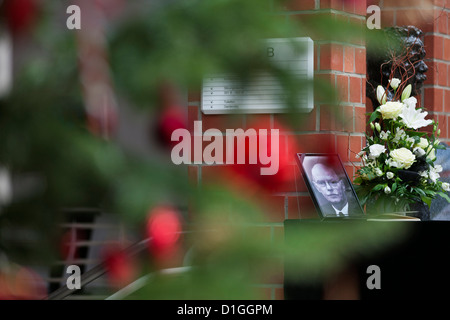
344, 210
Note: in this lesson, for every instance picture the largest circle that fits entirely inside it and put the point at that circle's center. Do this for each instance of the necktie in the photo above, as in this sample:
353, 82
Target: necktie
340, 214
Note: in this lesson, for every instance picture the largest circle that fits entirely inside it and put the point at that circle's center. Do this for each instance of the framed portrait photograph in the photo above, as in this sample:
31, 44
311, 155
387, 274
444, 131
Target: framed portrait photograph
329, 185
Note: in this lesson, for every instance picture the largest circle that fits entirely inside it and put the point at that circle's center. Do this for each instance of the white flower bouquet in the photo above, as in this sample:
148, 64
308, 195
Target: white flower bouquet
398, 163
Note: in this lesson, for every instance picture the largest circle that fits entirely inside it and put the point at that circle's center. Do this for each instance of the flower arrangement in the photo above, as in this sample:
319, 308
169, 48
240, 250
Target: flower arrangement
398, 162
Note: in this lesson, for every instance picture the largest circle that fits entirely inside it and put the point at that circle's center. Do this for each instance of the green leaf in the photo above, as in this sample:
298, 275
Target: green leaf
427, 200
394, 187
378, 187
375, 115
444, 195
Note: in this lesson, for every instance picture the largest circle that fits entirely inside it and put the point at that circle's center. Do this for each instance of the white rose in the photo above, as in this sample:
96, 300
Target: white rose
378, 172
403, 157
446, 186
394, 82
389, 175
387, 190
391, 110
423, 143
375, 150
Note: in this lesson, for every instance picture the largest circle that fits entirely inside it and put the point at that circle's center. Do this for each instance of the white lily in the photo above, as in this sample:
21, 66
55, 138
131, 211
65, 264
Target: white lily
411, 101
406, 92
381, 95
394, 82
414, 118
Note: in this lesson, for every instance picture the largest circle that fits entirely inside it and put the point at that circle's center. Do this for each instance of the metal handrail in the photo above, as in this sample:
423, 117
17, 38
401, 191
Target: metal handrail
95, 273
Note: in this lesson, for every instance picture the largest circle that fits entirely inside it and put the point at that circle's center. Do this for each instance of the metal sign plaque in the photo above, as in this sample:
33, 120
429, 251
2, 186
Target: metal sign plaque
224, 93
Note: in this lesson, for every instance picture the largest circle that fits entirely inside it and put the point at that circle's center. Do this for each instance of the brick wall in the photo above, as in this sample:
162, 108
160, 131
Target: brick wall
337, 127
432, 17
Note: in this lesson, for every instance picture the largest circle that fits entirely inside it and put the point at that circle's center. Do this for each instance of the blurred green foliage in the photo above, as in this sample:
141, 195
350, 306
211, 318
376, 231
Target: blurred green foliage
43, 133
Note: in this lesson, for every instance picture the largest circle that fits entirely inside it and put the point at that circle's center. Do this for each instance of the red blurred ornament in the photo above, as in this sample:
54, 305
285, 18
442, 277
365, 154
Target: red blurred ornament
20, 283
168, 121
163, 229
248, 177
120, 266
171, 115
20, 14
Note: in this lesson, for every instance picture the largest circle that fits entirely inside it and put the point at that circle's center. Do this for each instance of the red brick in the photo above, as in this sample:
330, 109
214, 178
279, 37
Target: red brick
444, 128
349, 59
194, 96
193, 175
432, 75
387, 18
222, 122
363, 91
423, 19
296, 184
316, 143
342, 87
360, 119
350, 171
273, 273
438, 48
279, 294
293, 208
355, 89
332, 4
442, 74
316, 56
343, 146
303, 122
361, 7
264, 293
331, 56
447, 127
396, 3
448, 77
349, 6
356, 144
258, 121
348, 118
274, 209
278, 234
360, 61
441, 21
434, 46
307, 208
298, 5
433, 99
192, 116
447, 101
330, 118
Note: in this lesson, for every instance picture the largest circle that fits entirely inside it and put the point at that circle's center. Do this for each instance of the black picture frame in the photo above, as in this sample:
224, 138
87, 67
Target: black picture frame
324, 206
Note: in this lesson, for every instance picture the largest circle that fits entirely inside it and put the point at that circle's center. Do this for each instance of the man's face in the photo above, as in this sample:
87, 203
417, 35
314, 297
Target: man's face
329, 184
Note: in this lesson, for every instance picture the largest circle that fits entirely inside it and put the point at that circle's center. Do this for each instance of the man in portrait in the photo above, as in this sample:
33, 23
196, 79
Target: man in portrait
334, 200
